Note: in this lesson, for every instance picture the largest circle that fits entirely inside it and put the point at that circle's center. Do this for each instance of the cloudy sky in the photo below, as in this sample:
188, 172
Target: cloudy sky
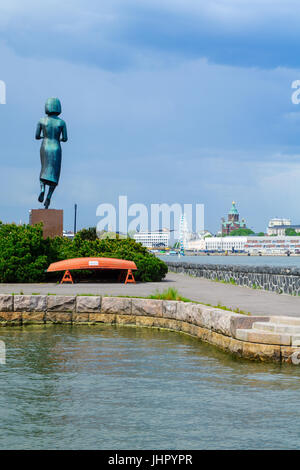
165, 101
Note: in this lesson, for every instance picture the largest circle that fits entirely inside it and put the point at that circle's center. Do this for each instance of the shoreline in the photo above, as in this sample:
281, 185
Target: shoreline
267, 255
250, 337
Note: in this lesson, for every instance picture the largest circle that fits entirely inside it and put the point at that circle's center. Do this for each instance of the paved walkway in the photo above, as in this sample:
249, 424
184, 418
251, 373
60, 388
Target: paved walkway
257, 302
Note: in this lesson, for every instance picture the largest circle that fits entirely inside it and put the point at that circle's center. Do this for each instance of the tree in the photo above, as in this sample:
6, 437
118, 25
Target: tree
87, 234
24, 254
240, 232
290, 232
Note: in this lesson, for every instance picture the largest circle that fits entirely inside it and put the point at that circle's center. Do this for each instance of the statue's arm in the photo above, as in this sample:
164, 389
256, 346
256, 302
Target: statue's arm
38, 134
64, 134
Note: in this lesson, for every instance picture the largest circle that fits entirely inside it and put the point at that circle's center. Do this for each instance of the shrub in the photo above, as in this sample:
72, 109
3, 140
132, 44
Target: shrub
25, 255
149, 268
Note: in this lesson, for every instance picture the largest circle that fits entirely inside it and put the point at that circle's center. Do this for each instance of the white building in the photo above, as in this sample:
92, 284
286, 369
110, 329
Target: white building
68, 234
196, 245
225, 243
273, 245
276, 245
153, 239
277, 226
279, 221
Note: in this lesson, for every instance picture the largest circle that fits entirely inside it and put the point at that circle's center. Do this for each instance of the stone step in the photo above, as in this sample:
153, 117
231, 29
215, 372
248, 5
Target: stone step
263, 337
285, 320
277, 327
295, 340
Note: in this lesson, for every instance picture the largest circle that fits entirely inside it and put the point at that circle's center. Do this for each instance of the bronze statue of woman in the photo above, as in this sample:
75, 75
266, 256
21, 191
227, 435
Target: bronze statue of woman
52, 130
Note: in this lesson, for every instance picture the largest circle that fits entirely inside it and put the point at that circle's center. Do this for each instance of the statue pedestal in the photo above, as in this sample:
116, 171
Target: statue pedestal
53, 221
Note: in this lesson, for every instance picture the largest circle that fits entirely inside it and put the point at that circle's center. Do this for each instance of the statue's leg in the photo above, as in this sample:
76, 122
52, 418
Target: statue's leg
49, 195
42, 193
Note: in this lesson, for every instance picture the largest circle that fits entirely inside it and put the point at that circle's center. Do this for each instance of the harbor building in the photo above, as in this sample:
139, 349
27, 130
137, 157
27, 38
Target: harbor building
251, 244
278, 227
225, 243
197, 244
276, 245
277, 221
159, 238
232, 222
68, 234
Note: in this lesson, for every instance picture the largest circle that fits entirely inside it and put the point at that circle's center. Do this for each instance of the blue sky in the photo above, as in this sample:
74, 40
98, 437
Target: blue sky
165, 101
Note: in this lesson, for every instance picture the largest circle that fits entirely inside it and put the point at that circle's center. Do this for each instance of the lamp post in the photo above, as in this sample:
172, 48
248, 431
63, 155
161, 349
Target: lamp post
75, 218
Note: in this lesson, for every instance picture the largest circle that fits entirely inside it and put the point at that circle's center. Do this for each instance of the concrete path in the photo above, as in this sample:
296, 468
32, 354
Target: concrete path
257, 302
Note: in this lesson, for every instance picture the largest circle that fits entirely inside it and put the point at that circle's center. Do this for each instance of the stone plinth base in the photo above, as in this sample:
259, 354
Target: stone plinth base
52, 220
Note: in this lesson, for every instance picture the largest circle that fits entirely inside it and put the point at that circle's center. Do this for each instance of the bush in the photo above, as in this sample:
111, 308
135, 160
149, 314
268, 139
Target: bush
25, 255
149, 268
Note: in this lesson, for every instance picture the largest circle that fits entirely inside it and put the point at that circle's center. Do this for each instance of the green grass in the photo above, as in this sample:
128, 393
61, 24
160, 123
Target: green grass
223, 307
235, 310
169, 294
86, 295
231, 281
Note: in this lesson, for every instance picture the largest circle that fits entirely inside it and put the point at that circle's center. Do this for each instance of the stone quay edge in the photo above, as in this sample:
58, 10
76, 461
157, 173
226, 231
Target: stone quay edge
243, 335
283, 280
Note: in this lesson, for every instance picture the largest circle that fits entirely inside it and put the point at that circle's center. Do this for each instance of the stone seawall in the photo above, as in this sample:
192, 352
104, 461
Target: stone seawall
276, 279
246, 336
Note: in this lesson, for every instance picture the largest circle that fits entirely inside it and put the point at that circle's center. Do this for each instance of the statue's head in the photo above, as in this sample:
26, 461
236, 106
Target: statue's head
53, 106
